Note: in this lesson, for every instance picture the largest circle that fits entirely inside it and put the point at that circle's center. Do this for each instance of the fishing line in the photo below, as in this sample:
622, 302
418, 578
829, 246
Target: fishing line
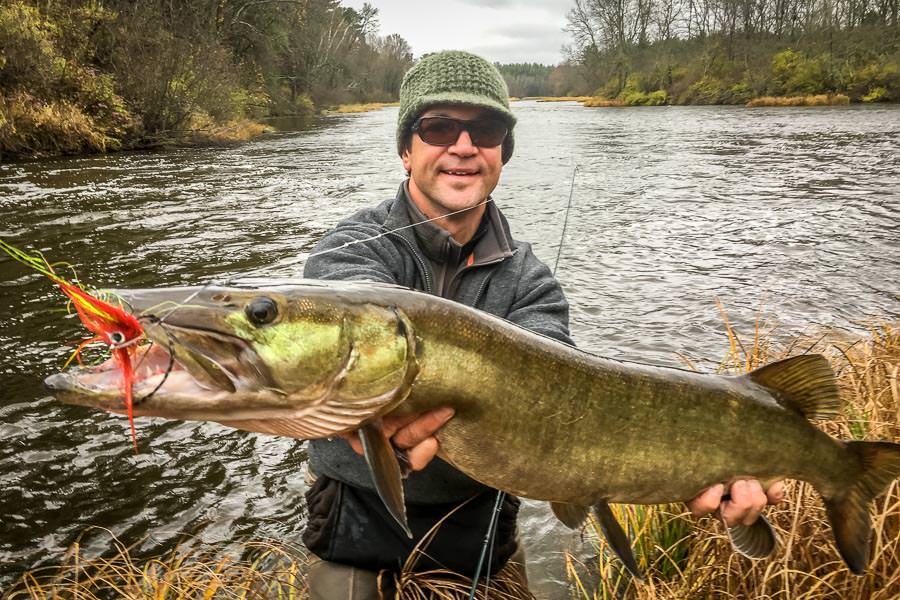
562, 237
169, 367
384, 233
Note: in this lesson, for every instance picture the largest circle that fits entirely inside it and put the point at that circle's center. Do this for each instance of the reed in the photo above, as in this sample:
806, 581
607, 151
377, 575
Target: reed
558, 98
261, 569
32, 127
601, 102
806, 566
358, 108
817, 100
255, 570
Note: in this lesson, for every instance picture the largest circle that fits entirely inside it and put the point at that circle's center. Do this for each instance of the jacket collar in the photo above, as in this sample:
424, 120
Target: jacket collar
493, 241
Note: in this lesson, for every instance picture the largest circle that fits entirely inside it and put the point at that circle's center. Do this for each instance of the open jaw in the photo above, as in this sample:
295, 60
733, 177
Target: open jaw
168, 374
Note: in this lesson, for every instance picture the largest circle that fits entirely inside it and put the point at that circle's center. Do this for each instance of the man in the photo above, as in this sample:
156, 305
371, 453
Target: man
441, 234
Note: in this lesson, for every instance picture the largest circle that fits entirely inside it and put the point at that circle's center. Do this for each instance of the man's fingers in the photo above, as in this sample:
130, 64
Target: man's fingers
422, 428
707, 501
421, 454
775, 493
747, 501
352, 438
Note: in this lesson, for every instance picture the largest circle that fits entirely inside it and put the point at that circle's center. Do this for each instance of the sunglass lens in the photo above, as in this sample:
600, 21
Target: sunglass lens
444, 131
488, 133
438, 131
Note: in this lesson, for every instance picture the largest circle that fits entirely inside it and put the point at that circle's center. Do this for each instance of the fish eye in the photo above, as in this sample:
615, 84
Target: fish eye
116, 337
261, 311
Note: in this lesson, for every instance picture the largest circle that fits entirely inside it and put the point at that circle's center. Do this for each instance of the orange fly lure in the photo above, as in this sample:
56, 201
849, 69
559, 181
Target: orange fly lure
109, 323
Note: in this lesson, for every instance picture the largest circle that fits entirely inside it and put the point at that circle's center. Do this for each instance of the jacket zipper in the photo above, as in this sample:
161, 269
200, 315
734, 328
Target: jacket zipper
481, 289
419, 261
487, 277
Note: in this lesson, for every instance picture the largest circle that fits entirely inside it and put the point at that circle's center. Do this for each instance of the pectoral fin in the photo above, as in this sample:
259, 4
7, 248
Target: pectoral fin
617, 538
572, 515
386, 472
753, 541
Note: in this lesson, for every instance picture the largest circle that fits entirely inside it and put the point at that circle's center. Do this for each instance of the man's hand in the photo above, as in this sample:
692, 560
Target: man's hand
412, 433
748, 499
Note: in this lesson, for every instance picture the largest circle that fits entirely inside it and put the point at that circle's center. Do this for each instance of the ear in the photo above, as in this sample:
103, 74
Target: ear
406, 158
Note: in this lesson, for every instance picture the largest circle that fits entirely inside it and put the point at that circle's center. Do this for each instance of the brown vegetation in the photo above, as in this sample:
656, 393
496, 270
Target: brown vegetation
358, 107
559, 98
601, 102
817, 100
256, 570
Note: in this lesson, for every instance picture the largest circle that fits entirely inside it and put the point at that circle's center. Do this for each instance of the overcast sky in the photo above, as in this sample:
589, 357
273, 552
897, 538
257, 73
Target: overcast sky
500, 30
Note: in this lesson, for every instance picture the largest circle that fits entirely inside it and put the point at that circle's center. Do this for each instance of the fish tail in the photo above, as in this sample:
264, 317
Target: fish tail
849, 513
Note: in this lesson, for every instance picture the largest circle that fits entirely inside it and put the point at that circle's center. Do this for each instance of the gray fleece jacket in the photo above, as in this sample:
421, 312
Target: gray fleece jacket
498, 275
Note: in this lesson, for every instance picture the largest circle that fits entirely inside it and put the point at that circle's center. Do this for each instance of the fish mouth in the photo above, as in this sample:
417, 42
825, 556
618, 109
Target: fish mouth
188, 353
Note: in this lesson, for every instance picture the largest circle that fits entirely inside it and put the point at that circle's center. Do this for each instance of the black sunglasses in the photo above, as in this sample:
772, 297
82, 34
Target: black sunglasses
444, 131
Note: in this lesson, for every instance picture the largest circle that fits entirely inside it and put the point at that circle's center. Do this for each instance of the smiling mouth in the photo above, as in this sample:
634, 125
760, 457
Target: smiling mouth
459, 172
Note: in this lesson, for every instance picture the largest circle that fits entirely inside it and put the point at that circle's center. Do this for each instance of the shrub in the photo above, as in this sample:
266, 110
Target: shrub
876, 94
706, 90
739, 93
30, 126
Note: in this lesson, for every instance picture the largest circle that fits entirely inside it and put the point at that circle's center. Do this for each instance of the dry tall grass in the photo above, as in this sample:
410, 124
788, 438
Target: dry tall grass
29, 126
818, 100
601, 102
557, 98
688, 559
257, 570
359, 108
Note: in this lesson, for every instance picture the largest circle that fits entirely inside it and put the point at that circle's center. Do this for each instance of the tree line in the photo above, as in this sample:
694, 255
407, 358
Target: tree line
81, 75
728, 51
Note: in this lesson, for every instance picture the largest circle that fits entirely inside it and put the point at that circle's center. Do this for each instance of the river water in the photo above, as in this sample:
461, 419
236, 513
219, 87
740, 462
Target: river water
795, 210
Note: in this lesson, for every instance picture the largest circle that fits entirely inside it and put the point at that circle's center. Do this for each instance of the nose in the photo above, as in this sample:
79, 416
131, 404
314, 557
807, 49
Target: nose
56, 382
463, 144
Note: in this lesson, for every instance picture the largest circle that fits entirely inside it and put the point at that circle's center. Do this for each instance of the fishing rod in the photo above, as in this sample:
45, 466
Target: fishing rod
562, 236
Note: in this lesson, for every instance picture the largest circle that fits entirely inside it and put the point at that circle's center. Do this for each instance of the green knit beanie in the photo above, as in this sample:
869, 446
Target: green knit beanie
453, 77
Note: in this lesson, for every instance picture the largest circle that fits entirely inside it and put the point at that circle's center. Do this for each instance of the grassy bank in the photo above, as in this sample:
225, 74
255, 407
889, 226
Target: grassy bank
818, 100
85, 77
557, 98
682, 557
357, 107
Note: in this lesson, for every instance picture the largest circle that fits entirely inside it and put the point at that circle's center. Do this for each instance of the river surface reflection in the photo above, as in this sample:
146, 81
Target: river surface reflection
795, 210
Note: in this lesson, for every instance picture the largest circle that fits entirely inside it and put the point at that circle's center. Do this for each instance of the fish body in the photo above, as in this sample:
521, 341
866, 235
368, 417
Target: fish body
533, 417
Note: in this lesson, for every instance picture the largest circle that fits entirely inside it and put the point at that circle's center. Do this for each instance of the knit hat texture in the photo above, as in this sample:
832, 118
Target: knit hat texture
453, 77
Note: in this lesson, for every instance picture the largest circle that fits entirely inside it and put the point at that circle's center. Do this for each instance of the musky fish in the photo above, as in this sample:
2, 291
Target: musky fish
533, 417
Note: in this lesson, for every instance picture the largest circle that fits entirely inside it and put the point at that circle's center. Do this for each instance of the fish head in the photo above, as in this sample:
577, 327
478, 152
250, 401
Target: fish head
323, 360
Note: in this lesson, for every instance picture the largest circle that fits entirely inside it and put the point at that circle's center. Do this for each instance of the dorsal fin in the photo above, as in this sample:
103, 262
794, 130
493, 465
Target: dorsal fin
804, 383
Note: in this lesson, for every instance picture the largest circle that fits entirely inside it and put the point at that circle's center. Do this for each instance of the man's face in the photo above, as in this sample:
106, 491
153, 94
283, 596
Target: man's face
444, 179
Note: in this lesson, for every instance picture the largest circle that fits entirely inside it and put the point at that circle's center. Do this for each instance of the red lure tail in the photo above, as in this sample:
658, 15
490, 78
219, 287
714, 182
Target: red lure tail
109, 323
123, 356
